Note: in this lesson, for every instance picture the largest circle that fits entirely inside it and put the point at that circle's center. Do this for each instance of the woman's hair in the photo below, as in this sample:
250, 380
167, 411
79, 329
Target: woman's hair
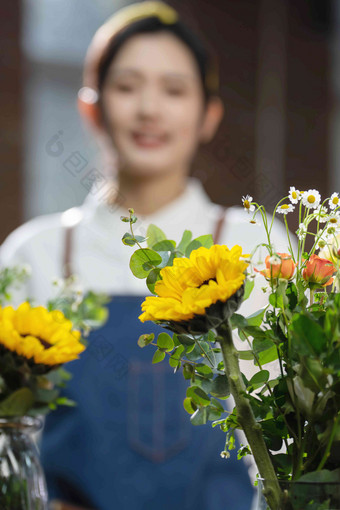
204, 60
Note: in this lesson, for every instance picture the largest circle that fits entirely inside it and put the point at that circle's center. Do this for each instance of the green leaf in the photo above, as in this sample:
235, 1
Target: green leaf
18, 403
194, 245
309, 338
184, 242
189, 405
268, 355
186, 340
175, 358
154, 235
188, 371
256, 318
142, 261
220, 386
158, 356
203, 369
165, 245
200, 417
164, 341
258, 379
45, 395
198, 395
218, 405
238, 321
248, 287
128, 239
63, 401
206, 240
246, 355
145, 339
152, 278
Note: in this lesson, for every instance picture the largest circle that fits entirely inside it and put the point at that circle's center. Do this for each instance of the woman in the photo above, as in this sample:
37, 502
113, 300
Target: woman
151, 97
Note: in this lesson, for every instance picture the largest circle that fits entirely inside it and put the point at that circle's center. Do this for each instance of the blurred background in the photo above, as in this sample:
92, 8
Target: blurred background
280, 83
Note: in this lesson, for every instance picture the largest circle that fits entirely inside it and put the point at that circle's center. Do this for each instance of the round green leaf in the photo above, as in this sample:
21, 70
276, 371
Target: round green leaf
145, 339
220, 386
198, 396
142, 262
158, 356
200, 417
189, 406
154, 235
164, 341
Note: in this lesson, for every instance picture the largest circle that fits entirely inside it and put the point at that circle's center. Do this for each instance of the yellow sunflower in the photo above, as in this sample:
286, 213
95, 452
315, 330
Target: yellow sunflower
193, 284
46, 337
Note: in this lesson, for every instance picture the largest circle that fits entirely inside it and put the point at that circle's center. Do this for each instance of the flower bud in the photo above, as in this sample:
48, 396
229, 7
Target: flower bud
318, 272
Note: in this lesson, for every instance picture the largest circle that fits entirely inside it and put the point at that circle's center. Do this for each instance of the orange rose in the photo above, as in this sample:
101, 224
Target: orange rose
280, 265
318, 271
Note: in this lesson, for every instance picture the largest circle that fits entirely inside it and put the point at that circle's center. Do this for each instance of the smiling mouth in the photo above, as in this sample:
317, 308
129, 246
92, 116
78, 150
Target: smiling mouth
148, 140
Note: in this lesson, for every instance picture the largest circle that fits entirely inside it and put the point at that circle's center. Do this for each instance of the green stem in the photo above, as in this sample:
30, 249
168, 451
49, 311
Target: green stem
246, 417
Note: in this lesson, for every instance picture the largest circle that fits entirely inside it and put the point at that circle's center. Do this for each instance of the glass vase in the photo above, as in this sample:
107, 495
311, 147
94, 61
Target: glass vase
22, 480
304, 495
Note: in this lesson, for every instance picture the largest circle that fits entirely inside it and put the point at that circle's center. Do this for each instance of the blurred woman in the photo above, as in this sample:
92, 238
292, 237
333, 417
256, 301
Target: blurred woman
151, 97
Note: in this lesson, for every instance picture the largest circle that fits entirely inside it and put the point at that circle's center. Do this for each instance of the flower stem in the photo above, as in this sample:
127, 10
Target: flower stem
246, 417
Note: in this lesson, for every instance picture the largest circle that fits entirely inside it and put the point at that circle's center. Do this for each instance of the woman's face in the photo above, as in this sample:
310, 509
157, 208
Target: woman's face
153, 105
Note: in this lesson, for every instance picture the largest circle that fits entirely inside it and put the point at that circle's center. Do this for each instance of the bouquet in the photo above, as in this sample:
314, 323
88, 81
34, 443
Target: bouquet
291, 419
35, 343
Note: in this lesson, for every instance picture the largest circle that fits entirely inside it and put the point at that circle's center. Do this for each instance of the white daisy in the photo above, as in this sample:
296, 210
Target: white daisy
247, 203
285, 208
334, 201
334, 220
301, 231
275, 260
321, 214
311, 199
254, 221
294, 195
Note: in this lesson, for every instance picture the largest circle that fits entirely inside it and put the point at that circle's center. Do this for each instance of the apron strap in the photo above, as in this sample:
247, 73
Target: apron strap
67, 270
219, 225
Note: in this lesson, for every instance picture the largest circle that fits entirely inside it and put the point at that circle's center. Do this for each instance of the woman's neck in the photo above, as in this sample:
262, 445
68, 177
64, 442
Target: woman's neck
146, 195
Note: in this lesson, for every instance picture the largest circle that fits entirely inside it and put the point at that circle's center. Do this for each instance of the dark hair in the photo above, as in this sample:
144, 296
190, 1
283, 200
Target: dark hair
152, 24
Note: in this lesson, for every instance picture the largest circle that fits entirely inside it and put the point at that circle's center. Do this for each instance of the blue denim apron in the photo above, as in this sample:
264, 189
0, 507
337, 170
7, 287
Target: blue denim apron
129, 444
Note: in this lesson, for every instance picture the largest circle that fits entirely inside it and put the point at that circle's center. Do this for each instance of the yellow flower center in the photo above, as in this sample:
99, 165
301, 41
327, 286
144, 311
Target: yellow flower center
285, 206
333, 220
294, 194
246, 204
311, 199
335, 200
253, 222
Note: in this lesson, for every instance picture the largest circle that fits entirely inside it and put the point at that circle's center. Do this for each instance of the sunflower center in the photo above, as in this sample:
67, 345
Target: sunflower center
206, 282
311, 199
43, 342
